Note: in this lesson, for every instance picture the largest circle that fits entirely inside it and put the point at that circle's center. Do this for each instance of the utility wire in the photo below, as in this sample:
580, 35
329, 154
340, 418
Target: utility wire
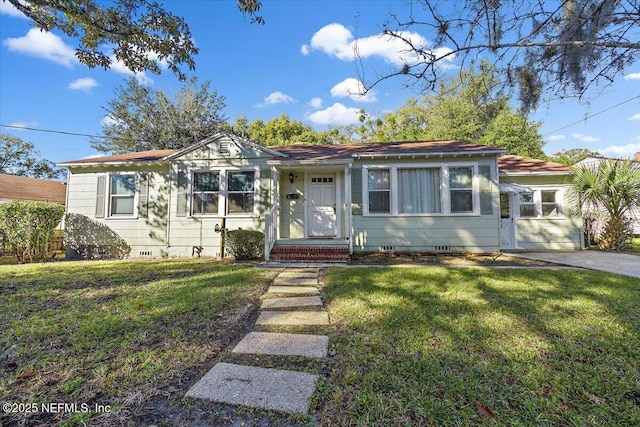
592, 115
60, 132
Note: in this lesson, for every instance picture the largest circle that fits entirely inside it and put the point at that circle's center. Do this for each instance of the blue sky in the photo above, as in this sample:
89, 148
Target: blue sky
300, 63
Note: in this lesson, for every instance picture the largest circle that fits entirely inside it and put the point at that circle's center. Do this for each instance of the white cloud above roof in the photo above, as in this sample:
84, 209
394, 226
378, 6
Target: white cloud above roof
24, 124
632, 76
585, 138
623, 151
316, 103
634, 117
337, 115
42, 44
556, 137
84, 84
338, 41
354, 89
275, 98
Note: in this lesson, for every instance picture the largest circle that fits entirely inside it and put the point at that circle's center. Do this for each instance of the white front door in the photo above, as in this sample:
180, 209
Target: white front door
322, 206
507, 224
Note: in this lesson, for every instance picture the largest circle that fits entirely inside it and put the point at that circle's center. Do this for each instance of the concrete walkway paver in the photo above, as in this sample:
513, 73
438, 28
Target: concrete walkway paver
274, 389
298, 290
293, 318
283, 344
291, 302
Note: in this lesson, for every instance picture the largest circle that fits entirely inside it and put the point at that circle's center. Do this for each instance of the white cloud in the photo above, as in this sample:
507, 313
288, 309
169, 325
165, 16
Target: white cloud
634, 117
621, 150
85, 84
557, 137
109, 120
276, 98
119, 67
45, 45
337, 114
25, 124
316, 103
336, 40
8, 9
354, 89
585, 138
632, 76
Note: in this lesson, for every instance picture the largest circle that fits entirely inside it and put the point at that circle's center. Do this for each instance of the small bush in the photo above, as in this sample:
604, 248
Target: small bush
29, 227
245, 244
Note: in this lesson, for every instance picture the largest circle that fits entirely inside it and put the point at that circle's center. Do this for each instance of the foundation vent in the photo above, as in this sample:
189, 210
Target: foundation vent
146, 254
443, 248
386, 249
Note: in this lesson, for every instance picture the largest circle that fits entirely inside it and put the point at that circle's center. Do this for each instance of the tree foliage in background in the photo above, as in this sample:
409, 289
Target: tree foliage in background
29, 226
141, 34
571, 156
469, 107
277, 131
557, 48
139, 118
18, 157
611, 185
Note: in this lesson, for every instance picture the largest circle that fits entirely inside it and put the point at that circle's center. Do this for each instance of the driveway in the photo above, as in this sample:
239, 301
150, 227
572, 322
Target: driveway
620, 263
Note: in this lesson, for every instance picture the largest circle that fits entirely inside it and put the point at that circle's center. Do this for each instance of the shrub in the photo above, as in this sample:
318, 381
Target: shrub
245, 244
29, 227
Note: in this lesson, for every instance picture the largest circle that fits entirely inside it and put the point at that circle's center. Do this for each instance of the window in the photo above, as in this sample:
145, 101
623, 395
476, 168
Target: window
379, 186
419, 190
541, 203
527, 205
550, 206
240, 194
461, 189
122, 195
206, 192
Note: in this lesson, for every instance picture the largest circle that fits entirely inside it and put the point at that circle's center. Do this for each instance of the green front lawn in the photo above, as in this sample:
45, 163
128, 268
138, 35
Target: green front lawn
436, 346
116, 333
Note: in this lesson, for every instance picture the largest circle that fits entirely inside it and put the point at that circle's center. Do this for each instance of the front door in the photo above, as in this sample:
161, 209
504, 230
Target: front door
507, 224
322, 206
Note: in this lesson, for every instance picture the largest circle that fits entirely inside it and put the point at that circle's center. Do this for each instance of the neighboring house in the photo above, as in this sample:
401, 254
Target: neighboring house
598, 218
323, 200
14, 187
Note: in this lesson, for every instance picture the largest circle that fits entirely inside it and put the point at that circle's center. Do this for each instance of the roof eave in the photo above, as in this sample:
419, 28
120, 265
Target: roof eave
535, 173
292, 162
423, 154
121, 163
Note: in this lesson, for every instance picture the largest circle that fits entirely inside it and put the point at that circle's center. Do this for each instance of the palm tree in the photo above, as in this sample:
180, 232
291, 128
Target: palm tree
613, 186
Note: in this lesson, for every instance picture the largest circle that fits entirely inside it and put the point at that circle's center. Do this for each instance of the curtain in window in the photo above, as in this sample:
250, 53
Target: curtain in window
419, 190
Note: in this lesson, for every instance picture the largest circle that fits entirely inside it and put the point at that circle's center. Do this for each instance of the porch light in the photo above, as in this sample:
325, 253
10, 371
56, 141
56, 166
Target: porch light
291, 177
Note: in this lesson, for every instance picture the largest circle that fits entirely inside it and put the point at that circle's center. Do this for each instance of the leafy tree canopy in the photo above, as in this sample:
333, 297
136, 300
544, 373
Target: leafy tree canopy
278, 131
557, 48
572, 156
139, 118
18, 157
468, 107
140, 33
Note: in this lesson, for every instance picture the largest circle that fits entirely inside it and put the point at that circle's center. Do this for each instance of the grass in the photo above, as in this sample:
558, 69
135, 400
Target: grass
116, 333
435, 346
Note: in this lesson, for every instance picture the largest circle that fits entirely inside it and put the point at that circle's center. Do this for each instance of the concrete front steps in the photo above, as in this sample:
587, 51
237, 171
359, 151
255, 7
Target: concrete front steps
279, 390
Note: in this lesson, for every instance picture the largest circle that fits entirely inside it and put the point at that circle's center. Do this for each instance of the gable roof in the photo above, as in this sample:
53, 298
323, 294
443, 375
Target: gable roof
518, 165
140, 156
384, 149
14, 187
218, 135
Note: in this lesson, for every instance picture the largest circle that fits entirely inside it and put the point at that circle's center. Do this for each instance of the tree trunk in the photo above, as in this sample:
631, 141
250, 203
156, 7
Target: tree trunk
614, 235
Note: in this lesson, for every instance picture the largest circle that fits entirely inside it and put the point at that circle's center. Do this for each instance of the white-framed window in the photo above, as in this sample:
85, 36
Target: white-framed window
240, 192
541, 203
223, 191
379, 190
206, 193
122, 195
421, 190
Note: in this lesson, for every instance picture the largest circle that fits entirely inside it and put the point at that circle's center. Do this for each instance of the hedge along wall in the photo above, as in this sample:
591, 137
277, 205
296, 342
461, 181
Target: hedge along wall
29, 227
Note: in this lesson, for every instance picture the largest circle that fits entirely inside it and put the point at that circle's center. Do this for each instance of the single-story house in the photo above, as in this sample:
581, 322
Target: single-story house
16, 187
323, 200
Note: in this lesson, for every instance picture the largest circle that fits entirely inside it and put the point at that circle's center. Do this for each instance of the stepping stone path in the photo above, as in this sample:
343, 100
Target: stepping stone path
274, 389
